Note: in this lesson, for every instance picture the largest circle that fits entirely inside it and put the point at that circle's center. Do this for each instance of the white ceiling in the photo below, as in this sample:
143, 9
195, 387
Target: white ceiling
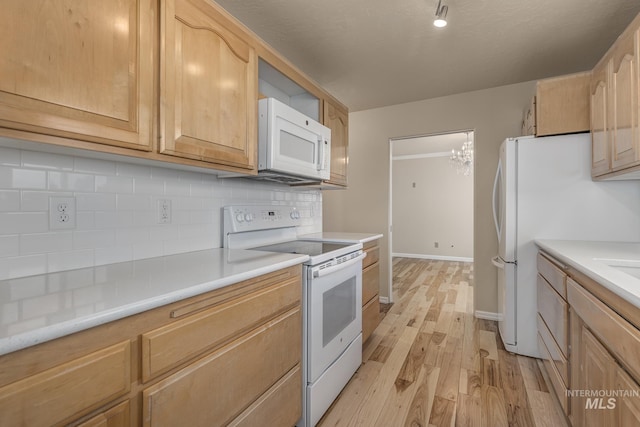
373, 53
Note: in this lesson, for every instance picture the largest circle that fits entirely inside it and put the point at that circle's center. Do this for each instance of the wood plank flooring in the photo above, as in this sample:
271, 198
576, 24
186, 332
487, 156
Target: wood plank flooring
431, 363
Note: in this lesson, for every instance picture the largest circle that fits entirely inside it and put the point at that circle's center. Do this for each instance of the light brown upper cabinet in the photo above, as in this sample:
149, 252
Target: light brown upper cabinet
208, 86
82, 70
624, 123
337, 119
599, 90
560, 105
615, 108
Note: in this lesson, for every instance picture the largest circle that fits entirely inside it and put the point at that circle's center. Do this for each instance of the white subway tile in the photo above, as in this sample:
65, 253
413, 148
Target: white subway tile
188, 245
202, 189
133, 170
185, 203
201, 217
177, 188
39, 200
96, 202
145, 218
85, 220
70, 260
190, 177
40, 243
148, 186
132, 236
23, 222
41, 160
147, 250
22, 178
9, 156
70, 181
9, 245
180, 217
21, 266
91, 239
130, 202
159, 233
164, 173
40, 306
9, 200
114, 184
113, 255
87, 296
9, 313
116, 219
27, 325
94, 166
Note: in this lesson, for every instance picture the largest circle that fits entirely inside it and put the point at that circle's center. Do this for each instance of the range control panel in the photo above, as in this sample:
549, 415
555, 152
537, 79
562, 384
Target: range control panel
255, 217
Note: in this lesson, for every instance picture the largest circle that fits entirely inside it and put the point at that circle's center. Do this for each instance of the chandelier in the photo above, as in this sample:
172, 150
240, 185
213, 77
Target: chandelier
462, 160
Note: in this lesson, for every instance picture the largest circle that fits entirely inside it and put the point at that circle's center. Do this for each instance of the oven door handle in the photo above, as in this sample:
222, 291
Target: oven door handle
330, 270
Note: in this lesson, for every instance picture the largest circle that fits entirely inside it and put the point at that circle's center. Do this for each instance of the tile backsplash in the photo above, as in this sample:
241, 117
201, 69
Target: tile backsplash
117, 210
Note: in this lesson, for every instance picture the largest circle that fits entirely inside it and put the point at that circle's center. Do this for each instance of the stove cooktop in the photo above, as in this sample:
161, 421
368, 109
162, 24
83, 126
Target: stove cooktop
305, 247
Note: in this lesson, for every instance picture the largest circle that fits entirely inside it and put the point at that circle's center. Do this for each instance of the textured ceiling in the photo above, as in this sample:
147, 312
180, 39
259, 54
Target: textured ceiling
373, 53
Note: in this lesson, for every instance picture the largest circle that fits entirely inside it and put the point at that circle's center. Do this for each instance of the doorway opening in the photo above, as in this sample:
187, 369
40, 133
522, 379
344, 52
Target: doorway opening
431, 198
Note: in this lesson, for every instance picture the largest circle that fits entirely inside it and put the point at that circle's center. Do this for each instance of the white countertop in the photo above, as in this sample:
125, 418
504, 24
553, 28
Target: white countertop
40, 308
594, 259
337, 236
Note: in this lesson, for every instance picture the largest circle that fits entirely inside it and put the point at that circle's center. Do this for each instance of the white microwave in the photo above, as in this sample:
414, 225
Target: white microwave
292, 147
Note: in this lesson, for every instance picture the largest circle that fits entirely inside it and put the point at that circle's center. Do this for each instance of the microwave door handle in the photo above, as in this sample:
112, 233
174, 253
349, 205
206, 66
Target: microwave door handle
320, 165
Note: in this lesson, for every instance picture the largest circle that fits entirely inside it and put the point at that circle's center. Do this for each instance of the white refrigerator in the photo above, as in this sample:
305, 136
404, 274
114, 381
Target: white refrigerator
543, 190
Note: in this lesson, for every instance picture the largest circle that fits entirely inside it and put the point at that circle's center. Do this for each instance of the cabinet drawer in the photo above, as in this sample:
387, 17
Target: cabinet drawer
370, 318
554, 376
553, 274
556, 356
170, 345
69, 389
370, 282
217, 388
281, 404
555, 313
619, 336
118, 416
373, 253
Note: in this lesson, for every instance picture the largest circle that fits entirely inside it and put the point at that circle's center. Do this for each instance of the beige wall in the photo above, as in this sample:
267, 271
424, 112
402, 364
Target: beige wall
493, 114
439, 208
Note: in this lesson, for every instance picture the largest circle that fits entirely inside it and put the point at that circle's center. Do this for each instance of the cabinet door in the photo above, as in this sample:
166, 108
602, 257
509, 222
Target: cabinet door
624, 128
337, 120
208, 87
597, 372
600, 152
78, 69
118, 416
627, 411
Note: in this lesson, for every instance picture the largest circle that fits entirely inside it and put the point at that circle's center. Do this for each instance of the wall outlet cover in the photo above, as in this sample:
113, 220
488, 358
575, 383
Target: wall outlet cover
62, 213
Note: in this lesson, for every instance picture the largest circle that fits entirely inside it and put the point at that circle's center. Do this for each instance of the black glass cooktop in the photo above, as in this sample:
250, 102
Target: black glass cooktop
305, 247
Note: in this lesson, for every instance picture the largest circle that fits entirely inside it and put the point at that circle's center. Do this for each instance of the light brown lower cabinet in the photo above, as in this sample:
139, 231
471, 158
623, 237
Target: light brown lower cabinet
230, 356
370, 289
603, 360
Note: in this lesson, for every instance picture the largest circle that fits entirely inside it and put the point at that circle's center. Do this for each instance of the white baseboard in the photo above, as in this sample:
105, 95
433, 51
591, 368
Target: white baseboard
436, 257
487, 315
384, 300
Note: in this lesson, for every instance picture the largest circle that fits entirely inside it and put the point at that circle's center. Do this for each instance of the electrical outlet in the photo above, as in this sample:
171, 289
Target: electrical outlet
164, 211
62, 213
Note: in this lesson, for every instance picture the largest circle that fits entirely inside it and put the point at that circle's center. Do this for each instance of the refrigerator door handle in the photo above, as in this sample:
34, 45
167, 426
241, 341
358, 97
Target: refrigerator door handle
495, 193
497, 262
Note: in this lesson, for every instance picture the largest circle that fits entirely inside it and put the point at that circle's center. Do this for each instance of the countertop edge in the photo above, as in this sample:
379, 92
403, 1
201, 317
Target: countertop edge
575, 262
342, 237
49, 333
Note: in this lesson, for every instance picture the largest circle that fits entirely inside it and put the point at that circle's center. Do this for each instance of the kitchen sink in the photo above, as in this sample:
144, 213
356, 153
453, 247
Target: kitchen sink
630, 267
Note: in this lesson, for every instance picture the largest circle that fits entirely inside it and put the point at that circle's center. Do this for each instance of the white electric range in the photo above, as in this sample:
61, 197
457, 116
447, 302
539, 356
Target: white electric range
331, 298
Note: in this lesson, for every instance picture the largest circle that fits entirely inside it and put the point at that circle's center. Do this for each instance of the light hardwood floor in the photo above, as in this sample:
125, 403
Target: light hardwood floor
431, 363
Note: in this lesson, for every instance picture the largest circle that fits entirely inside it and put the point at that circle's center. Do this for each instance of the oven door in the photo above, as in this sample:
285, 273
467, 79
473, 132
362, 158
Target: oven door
334, 313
